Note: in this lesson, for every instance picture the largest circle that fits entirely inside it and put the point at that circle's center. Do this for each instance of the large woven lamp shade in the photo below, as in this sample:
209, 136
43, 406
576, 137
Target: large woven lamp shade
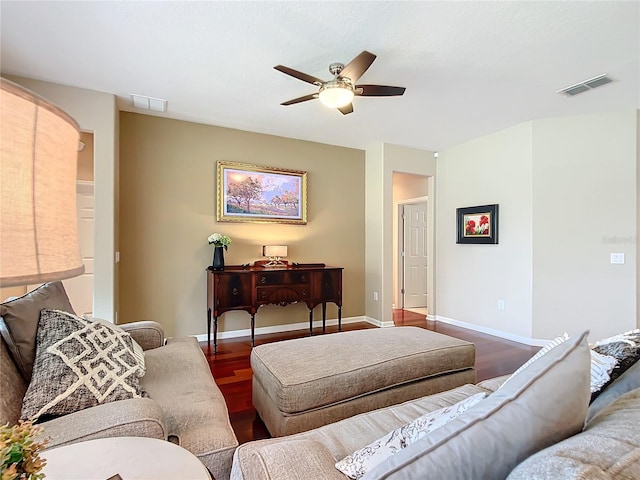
38, 165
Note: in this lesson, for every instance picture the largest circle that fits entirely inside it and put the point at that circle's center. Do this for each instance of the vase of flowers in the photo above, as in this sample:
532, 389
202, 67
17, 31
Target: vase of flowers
20, 450
219, 243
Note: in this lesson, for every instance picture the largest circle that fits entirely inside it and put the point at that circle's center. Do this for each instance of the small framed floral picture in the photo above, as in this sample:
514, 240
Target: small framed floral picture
478, 224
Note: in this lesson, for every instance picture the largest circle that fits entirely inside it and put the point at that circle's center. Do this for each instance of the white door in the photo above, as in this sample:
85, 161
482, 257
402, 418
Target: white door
415, 255
80, 289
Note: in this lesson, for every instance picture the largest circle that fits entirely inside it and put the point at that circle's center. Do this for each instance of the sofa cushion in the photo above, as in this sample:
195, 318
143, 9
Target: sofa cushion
178, 377
364, 459
79, 364
545, 403
629, 380
19, 322
609, 448
343, 437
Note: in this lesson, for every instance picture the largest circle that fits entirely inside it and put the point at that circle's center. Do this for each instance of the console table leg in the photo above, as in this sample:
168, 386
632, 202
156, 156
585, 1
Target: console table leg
253, 326
339, 318
311, 322
324, 316
208, 329
215, 334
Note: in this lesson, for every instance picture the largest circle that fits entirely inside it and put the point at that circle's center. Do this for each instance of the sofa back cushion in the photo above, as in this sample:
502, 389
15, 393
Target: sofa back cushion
545, 403
12, 387
608, 448
19, 322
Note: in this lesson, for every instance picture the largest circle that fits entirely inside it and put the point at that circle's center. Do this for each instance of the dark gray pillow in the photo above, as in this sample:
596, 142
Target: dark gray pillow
79, 364
19, 322
625, 348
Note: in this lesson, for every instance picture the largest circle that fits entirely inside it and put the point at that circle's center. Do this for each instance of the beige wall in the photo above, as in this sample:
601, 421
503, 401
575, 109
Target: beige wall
637, 239
382, 161
567, 190
472, 278
584, 203
95, 112
167, 189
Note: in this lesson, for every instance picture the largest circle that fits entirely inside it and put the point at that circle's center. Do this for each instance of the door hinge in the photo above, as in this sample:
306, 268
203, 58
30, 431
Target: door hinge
402, 291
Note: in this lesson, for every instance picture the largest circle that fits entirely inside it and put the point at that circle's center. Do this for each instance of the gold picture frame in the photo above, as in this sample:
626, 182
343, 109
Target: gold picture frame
258, 194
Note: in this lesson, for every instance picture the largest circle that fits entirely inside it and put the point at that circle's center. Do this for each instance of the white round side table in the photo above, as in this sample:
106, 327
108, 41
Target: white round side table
133, 458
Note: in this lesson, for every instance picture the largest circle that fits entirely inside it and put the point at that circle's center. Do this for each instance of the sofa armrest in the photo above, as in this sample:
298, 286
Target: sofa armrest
284, 460
147, 333
135, 417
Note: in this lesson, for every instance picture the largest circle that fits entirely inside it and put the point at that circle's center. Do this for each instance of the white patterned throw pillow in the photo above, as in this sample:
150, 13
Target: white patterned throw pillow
601, 368
363, 460
79, 364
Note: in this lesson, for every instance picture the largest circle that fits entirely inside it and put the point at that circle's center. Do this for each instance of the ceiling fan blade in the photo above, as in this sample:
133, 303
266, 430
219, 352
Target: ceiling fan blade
347, 109
300, 99
356, 67
299, 75
378, 91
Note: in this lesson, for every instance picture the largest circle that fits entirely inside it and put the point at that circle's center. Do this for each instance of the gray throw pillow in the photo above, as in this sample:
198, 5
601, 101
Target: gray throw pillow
79, 364
19, 322
542, 405
625, 348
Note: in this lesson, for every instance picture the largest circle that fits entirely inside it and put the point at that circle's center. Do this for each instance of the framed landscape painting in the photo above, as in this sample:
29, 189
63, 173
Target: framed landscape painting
478, 224
251, 193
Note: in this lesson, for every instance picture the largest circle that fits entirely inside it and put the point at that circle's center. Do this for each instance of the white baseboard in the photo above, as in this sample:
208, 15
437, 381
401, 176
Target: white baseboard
284, 328
379, 323
536, 342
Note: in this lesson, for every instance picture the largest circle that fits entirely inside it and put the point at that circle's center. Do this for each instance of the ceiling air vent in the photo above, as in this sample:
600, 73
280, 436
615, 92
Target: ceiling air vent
149, 103
585, 85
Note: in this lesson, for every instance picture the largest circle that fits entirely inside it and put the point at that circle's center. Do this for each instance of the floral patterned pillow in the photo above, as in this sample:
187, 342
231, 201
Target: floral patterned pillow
363, 460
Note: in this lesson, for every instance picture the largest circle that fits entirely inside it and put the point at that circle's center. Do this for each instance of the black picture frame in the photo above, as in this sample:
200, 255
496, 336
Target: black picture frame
478, 225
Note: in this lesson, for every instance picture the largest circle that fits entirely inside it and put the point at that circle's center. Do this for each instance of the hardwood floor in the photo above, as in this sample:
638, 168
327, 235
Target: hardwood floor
232, 372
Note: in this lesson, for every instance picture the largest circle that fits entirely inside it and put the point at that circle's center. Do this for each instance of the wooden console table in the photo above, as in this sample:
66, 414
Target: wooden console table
239, 287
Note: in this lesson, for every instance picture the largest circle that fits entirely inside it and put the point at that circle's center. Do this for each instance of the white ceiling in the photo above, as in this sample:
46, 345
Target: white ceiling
470, 68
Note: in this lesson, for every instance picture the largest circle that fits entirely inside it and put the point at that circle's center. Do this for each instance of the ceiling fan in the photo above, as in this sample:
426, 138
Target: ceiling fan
339, 91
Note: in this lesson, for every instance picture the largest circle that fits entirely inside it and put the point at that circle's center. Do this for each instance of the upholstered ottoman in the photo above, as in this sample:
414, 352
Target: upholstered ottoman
309, 382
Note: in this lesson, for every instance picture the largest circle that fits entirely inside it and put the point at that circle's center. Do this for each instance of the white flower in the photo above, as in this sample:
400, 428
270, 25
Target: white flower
219, 240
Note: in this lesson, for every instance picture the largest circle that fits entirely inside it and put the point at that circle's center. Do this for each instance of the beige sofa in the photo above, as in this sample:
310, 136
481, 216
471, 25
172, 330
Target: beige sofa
536, 425
181, 402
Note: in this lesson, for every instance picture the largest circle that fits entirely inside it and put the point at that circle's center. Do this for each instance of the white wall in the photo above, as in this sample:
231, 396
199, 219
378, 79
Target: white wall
568, 195
95, 112
584, 203
472, 278
381, 163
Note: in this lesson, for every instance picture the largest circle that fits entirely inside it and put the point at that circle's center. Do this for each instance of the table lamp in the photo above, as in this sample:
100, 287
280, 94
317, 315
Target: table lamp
38, 167
275, 254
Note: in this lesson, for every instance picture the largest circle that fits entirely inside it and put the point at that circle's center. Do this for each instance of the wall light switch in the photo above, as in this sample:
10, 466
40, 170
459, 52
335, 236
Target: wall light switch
617, 258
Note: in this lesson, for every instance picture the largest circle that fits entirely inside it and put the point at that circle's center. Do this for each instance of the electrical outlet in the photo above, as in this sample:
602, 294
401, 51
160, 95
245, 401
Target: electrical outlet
500, 304
375, 296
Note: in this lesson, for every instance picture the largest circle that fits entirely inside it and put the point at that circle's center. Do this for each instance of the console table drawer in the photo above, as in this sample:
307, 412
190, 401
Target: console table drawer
282, 295
282, 278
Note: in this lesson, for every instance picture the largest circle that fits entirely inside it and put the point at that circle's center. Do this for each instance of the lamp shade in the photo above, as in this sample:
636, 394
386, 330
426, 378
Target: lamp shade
274, 251
38, 166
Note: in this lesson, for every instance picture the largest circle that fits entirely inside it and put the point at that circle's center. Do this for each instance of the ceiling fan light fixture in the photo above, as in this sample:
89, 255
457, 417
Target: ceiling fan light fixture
336, 94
